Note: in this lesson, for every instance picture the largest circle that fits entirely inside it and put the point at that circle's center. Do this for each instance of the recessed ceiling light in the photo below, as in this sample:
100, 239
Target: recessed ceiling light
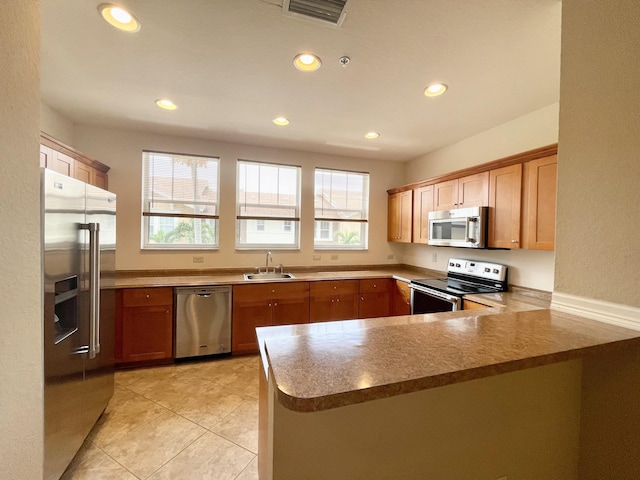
281, 121
371, 135
307, 62
435, 89
166, 104
119, 17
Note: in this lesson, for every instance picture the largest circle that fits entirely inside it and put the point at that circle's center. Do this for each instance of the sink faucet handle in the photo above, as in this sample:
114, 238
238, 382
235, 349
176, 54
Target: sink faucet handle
281, 268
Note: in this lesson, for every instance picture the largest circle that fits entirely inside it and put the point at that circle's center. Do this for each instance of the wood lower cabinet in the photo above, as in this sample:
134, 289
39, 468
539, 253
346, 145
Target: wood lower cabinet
400, 298
333, 300
505, 193
399, 223
539, 203
144, 324
471, 305
266, 304
375, 298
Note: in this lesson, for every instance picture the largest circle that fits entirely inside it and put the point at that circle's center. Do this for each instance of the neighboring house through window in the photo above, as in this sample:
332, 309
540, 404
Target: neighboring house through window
268, 206
180, 196
341, 202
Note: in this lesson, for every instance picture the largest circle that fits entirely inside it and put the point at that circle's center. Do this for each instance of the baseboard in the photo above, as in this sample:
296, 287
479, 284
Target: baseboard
614, 313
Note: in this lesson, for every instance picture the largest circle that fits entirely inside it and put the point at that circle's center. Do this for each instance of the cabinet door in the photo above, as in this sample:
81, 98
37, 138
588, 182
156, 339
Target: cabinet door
373, 305
505, 188
422, 205
147, 333
101, 180
401, 298
247, 315
399, 224
62, 163
445, 195
83, 172
290, 311
539, 203
471, 305
333, 307
47, 156
473, 190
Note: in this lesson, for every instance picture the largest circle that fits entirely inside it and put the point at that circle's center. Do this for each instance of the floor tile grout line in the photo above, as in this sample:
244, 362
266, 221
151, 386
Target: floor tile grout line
116, 461
173, 458
245, 467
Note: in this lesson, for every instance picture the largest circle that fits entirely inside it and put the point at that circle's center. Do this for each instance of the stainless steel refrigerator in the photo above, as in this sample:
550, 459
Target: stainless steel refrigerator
79, 240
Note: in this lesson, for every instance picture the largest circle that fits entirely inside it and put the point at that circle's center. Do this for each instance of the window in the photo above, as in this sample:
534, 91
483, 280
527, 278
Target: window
341, 202
268, 206
179, 201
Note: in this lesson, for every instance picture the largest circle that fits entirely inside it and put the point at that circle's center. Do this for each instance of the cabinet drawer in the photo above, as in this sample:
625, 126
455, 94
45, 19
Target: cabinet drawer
375, 285
333, 287
243, 293
141, 297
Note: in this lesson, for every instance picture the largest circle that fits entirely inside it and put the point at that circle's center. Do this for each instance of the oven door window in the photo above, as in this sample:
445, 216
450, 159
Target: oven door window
424, 303
449, 229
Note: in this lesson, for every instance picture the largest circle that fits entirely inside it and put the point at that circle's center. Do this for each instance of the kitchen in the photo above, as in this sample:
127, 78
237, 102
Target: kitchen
598, 129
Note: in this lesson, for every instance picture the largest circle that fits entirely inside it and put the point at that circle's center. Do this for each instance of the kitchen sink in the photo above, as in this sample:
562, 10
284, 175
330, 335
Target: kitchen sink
267, 276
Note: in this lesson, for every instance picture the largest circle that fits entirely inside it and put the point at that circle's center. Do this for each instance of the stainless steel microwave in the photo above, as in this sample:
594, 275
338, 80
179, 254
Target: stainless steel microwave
462, 227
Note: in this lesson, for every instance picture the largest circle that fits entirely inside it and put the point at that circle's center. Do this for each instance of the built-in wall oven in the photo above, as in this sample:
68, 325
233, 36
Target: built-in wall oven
464, 277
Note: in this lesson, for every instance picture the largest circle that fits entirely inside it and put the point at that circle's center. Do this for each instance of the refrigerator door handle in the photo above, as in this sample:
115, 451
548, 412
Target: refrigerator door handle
94, 287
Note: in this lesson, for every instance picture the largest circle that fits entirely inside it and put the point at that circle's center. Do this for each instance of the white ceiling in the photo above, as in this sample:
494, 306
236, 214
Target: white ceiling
228, 66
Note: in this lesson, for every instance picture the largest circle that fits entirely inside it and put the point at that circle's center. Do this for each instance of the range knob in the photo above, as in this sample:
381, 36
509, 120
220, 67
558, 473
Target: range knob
458, 265
495, 270
451, 264
487, 269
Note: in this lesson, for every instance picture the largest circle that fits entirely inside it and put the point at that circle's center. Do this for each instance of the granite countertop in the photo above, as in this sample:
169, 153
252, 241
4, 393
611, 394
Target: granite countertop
167, 279
328, 365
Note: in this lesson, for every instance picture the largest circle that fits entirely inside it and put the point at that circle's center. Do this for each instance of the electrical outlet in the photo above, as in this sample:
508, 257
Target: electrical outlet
198, 259
434, 258
390, 256
317, 257
334, 257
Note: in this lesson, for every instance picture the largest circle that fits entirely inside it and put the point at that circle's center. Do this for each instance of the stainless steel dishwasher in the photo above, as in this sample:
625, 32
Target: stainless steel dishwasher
203, 321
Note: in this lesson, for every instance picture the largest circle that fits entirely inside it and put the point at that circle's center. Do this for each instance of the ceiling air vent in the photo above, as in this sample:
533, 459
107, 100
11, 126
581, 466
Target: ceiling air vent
328, 11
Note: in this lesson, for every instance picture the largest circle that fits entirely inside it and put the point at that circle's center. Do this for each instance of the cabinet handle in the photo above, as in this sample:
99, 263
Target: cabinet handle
338, 300
362, 298
275, 304
273, 291
269, 304
332, 300
514, 241
374, 285
147, 295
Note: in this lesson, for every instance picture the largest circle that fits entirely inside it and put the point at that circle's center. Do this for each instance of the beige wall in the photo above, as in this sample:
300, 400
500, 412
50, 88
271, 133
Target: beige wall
527, 268
598, 224
122, 150
56, 124
21, 395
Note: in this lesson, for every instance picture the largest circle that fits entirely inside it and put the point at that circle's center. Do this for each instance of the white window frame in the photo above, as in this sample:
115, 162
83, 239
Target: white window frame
243, 203
149, 202
341, 215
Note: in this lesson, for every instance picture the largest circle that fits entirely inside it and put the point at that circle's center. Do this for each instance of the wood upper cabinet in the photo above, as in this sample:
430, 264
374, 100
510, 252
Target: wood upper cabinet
144, 324
505, 193
399, 223
333, 300
469, 191
400, 298
57, 156
422, 205
539, 203
266, 304
375, 298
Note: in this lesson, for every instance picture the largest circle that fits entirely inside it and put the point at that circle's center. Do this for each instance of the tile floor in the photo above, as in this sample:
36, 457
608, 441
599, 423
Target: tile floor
196, 420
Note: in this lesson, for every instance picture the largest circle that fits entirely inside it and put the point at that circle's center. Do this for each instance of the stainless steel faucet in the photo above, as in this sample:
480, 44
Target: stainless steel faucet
269, 257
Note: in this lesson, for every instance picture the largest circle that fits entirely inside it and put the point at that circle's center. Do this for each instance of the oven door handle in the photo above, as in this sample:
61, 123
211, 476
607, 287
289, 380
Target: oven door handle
454, 300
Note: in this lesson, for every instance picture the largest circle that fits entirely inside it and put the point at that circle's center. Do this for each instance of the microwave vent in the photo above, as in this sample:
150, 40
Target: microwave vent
329, 11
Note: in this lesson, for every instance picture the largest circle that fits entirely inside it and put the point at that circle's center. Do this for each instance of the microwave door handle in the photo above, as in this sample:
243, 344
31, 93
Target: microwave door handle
94, 287
470, 221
